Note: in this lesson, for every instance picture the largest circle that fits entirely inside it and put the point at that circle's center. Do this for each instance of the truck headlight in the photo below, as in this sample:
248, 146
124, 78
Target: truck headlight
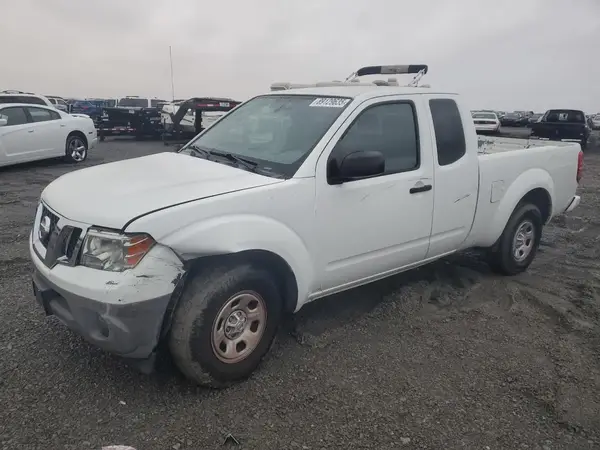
108, 250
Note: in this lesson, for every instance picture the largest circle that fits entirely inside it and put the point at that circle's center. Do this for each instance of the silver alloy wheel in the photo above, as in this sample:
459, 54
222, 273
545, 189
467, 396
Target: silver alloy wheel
523, 241
238, 327
77, 149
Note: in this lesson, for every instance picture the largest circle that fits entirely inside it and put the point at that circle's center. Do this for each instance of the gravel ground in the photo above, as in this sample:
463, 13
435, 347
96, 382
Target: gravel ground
447, 356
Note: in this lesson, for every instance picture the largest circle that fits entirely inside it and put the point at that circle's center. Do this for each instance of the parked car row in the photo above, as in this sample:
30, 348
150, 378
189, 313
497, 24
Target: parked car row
594, 122
554, 124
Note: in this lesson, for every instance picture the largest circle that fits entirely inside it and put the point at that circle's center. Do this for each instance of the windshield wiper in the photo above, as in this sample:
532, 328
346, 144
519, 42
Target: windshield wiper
247, 163
198, 151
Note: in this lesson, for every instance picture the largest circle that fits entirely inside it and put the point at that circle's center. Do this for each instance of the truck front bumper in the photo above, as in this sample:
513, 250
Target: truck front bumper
122, 313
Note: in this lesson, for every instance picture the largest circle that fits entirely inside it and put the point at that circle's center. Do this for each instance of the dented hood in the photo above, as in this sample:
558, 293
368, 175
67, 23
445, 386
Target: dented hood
110, 195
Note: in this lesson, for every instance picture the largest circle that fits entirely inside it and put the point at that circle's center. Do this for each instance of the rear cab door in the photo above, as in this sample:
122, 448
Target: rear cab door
371, 227
456, 172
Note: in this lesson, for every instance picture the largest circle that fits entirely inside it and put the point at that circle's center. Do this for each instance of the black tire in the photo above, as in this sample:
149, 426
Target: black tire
76, 149
195, 321
501, 257
583, 145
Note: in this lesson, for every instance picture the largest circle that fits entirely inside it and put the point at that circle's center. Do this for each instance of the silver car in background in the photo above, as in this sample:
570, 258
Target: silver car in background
486, 122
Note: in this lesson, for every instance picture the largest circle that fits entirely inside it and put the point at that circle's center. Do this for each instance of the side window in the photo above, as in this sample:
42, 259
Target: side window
14, 116
9, 99
52, 100
449, 131
42, 115
31, 100
389, 128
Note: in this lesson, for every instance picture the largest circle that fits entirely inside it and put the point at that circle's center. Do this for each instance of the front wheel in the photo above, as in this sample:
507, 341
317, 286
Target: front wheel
224, 324
76, 149
519, 242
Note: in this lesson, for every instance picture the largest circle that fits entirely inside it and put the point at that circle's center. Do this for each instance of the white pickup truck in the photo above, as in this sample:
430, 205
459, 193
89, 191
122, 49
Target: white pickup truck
292, 196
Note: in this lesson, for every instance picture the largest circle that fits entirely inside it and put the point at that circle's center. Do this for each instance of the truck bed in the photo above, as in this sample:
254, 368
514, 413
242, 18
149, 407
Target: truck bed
507, 168
492, 144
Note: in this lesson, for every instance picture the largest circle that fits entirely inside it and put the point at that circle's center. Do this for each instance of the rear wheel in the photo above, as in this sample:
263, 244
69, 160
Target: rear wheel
224, 324
519, 242
76, 149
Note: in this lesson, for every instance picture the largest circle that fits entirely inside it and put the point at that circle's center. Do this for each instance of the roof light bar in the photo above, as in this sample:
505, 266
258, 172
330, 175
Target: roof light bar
391, 70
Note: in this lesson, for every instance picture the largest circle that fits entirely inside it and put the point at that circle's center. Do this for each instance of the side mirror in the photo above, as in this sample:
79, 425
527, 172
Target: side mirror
3, 122
355, 166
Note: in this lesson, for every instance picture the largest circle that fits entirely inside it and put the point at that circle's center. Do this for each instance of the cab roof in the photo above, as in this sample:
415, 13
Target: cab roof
354, 88
363, 91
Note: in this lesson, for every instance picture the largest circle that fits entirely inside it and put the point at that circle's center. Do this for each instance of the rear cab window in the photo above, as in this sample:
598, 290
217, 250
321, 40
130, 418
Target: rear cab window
564, 115
133, 102
449, 131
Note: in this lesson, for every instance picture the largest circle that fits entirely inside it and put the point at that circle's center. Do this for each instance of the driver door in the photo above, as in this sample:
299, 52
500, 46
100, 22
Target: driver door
369, 228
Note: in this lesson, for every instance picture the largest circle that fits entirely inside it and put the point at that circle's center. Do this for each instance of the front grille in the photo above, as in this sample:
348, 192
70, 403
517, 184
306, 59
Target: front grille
71, 243
51, 222
62, 242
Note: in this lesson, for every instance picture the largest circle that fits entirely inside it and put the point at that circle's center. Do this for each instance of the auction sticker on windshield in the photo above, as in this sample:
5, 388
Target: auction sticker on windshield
330, 102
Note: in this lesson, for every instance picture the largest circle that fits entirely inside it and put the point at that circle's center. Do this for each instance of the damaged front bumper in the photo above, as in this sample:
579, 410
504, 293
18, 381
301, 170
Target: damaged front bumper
120, 312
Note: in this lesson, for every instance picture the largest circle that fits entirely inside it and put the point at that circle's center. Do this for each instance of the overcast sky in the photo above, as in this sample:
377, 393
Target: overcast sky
500, 54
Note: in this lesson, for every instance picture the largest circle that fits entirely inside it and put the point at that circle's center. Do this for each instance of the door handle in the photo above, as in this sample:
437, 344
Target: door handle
422, 188
30, 131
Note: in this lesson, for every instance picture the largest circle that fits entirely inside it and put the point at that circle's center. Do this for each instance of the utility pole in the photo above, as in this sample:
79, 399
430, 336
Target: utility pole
172, 83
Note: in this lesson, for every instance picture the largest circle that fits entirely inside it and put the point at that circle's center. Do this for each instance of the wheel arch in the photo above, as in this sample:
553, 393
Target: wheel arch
533, 186
284, 277
79, 134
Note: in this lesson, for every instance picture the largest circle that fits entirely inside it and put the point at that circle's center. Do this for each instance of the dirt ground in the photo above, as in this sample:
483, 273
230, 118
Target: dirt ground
448, 356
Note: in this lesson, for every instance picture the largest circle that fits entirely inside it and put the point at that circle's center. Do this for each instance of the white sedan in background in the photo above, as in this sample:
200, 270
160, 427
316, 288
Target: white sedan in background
31, 132
486, 122
596, 122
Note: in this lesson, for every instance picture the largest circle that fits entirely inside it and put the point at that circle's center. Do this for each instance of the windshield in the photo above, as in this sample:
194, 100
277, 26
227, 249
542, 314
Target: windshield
275, 131
133, 102
484, 116
513, 116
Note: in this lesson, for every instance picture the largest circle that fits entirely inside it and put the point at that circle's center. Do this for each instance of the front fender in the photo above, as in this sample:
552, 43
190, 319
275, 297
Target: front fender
240, 232
523, 184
